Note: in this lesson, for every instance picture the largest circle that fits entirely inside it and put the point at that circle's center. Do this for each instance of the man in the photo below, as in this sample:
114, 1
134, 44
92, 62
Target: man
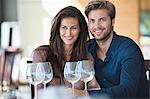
118, 60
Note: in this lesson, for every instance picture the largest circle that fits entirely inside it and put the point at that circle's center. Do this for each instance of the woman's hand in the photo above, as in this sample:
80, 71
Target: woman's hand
93, 84
56, 81
78, 92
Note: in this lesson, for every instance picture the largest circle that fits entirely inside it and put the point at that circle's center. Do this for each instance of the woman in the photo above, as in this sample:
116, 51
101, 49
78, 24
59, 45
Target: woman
69, 33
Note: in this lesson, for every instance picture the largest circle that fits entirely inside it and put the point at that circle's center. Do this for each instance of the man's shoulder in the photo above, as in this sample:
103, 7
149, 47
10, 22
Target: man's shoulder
124, 40
126, 44
90, 45
90, 42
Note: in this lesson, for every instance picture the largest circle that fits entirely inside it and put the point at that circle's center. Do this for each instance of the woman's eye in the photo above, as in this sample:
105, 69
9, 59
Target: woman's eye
74, 28
64, 27
91, 21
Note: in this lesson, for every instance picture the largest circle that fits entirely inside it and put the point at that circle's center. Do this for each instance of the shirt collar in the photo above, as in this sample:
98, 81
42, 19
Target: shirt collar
110, 50
112, 47
113, 44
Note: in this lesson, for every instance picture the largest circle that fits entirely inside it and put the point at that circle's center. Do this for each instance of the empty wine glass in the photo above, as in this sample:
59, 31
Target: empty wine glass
87, 71
35, 75
48, 73
71, 73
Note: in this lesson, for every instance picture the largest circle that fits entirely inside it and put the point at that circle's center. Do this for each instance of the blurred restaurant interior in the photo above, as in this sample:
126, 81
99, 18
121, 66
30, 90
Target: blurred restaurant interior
25, 24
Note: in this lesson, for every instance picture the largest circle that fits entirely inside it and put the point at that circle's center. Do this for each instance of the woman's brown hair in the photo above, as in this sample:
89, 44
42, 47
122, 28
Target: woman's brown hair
79, 51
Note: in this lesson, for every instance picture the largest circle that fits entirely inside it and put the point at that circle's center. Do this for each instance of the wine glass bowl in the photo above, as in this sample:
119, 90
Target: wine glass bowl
48, 73
34, 73
87, 71
71, 73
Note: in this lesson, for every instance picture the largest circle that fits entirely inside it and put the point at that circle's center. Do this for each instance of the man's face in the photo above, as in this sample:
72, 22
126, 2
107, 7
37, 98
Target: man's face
99, 23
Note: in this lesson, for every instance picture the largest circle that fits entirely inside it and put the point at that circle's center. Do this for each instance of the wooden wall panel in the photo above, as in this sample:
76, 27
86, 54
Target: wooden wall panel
127, 17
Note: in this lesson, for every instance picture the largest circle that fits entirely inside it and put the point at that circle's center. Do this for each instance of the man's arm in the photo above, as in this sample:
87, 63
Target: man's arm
132, 70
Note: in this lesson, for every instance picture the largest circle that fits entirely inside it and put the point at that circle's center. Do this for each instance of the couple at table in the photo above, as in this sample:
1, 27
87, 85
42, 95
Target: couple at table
118, 61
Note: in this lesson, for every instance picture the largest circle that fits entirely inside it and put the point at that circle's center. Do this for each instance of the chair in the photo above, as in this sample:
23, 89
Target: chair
2, 57
31, 86
147, 67
7, 57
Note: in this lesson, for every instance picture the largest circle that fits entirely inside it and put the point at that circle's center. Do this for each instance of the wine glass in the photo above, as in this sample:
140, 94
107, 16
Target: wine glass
48, 73
71, 73
35, 75
87, 71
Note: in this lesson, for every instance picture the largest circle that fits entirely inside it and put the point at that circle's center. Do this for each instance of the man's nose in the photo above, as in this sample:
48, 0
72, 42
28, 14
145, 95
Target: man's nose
97, 25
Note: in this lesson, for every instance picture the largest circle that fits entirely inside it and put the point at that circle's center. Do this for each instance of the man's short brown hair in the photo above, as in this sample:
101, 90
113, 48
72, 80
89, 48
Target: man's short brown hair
101, 4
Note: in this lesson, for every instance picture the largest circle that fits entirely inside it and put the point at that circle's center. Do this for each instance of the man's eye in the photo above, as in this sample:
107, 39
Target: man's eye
103, 19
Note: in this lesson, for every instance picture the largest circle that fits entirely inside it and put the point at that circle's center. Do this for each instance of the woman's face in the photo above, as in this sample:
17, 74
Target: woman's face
69, 30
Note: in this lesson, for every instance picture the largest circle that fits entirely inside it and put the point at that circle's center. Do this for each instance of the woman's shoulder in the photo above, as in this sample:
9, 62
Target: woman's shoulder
42, 47
41, 53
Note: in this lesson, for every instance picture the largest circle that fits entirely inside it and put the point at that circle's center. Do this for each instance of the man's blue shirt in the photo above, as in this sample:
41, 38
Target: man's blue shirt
122, 73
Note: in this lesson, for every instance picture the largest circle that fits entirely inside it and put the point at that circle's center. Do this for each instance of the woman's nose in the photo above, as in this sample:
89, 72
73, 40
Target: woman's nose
68, 32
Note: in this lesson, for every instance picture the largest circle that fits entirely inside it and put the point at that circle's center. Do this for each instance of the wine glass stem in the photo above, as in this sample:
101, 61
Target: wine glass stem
44, 86
85, 85
73, 89
35, 92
